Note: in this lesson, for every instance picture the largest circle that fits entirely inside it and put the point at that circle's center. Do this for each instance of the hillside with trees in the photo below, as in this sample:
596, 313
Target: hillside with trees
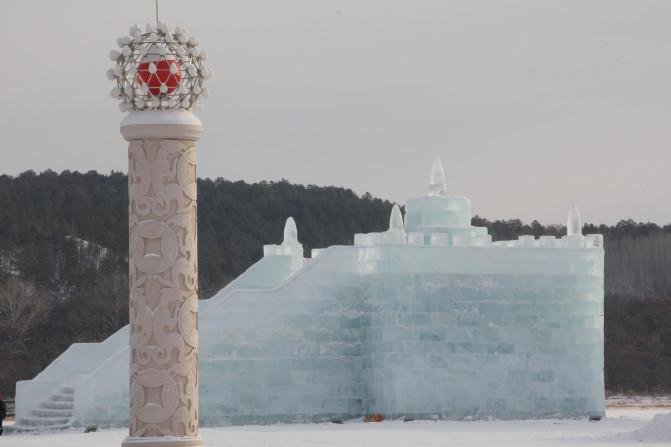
64, 246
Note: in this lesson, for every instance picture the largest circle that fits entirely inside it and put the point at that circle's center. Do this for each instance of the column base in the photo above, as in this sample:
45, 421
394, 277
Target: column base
161, 441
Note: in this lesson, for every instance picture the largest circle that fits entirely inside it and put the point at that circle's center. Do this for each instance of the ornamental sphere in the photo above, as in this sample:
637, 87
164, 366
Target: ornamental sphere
160, 69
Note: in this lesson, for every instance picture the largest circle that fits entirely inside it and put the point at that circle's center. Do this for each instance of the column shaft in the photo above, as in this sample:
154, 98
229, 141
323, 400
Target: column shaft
163, 275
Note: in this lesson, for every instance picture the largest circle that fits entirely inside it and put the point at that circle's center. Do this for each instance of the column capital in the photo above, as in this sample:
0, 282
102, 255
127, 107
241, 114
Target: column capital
161, 124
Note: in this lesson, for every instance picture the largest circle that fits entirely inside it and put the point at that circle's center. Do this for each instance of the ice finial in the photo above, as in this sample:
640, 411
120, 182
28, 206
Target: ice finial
396, 219
573, 223
290, 231
438, 184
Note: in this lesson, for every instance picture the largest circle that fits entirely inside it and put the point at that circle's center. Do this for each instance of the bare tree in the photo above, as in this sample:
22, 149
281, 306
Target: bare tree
22, 307
111, 291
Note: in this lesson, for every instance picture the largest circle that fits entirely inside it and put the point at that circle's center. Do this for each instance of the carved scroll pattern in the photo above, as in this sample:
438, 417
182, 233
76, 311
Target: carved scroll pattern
163, 288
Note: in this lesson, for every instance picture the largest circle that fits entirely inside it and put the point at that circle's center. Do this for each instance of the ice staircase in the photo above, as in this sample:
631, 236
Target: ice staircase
53, 414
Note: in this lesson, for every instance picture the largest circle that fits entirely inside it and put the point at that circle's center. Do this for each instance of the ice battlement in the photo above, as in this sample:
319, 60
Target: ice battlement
439, 220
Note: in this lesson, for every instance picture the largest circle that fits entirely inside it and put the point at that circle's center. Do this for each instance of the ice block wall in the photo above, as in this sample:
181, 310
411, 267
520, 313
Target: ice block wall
430, 319
509, 333
513, 330
287, 354
415, 331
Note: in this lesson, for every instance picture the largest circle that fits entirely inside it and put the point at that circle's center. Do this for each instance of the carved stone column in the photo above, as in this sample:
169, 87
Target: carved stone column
163, 274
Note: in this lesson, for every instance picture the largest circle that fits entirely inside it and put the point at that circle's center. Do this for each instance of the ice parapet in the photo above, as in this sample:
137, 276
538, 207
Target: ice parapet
427, 319
290, 248
290, 245
394, 235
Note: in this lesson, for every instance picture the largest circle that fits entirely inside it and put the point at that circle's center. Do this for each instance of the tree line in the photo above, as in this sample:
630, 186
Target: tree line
64, 249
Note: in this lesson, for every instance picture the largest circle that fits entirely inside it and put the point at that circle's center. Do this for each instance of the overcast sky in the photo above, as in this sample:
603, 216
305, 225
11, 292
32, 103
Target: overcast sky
531, 104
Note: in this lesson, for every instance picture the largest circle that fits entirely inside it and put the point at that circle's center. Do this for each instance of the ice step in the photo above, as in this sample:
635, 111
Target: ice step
63, 398
42, 422
51, 413
36, 429
57, 405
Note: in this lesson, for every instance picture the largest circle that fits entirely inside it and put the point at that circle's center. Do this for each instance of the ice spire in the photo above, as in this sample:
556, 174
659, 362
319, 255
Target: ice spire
396, 219
438, 184
573, 223
290, 231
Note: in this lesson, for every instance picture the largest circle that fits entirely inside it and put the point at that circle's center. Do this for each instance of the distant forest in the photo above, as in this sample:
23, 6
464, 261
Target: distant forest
64, 245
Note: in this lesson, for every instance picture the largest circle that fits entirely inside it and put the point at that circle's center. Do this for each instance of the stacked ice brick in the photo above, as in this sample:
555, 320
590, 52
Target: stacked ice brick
463, 327
430, 319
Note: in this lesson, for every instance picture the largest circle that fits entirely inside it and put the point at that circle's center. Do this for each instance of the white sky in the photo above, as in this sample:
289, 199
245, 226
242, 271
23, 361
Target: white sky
531, 104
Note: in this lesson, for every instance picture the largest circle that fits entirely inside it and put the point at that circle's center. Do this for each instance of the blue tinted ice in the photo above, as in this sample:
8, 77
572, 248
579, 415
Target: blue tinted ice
427, 319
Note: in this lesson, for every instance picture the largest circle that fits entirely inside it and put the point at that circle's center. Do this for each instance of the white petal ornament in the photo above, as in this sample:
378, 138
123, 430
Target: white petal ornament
123, 41
135, 31
164, 28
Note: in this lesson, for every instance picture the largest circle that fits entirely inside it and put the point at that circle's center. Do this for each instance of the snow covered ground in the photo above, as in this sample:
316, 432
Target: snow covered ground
624, 425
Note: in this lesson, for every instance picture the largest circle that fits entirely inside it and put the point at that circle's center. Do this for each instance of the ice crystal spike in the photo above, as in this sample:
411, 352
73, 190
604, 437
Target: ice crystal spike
396, 219
438, 183
290, 231
573, 223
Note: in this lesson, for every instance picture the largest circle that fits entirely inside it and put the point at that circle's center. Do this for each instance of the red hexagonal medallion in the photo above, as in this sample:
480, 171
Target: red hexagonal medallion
164, 74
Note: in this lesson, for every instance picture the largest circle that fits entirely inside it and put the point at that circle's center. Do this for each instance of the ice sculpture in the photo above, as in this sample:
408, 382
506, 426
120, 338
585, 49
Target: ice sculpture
438, 183
396, 219
429, 319
573, 225
290, 231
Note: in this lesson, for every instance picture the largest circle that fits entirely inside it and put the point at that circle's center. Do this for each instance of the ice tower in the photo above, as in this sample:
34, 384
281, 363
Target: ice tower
439, 219
428, 319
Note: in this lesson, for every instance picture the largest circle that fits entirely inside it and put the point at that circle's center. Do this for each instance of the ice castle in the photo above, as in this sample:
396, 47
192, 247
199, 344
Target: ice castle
429, 319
